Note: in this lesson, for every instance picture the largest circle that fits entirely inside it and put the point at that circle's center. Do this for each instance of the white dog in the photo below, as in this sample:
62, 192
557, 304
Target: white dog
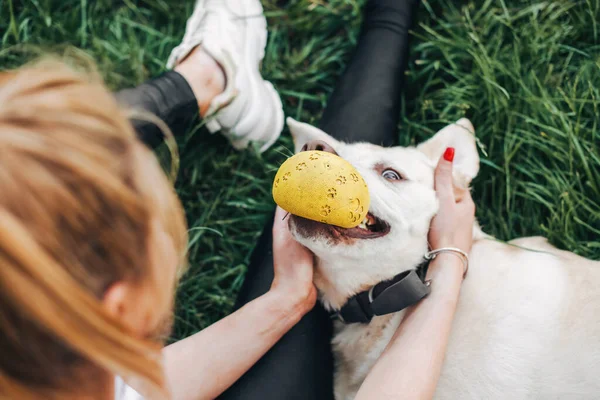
528, 319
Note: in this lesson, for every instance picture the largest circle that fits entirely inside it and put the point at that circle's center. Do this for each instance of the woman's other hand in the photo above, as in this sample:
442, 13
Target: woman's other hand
412, 362
453, 225
293, 264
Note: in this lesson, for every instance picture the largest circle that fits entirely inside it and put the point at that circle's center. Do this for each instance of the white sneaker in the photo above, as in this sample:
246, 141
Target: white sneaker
234, 33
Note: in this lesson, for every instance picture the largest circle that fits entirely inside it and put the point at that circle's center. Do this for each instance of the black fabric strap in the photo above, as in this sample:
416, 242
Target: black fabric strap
404, 290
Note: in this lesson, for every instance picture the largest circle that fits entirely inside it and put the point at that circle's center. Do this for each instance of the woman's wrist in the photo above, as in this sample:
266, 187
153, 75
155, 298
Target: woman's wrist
292, 304
446, 268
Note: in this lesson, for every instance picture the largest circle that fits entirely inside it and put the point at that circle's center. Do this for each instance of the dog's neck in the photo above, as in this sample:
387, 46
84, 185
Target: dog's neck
338, 278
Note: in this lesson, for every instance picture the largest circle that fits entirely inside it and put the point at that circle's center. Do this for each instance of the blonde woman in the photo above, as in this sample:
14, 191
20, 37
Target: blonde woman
92, 236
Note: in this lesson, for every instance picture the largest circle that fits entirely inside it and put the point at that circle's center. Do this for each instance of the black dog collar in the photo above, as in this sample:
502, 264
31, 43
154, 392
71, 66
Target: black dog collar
403, 290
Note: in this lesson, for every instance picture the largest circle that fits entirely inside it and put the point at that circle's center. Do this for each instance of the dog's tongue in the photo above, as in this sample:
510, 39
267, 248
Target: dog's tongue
323, 187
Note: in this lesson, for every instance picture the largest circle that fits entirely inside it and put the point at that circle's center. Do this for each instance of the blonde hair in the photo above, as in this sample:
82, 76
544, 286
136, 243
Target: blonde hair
78, 194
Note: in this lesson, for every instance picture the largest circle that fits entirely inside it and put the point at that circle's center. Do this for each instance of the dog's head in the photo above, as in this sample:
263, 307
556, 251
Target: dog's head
393, 237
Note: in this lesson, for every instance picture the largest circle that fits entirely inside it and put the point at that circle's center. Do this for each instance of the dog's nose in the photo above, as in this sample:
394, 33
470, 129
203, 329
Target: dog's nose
318, 145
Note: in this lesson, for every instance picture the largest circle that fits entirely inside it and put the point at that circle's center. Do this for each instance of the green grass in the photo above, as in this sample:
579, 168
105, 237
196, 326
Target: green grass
526, 72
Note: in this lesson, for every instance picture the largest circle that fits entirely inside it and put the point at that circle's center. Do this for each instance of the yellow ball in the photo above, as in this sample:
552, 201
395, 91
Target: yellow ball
322, 187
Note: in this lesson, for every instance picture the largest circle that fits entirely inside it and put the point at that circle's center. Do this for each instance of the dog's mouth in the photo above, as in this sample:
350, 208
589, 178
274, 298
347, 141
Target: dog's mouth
371, 227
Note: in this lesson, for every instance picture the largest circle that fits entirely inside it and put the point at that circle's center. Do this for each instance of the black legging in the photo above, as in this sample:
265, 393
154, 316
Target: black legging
365, 106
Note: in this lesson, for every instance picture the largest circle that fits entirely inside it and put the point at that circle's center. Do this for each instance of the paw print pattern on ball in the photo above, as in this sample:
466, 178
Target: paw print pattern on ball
353, 217
355, 205
300, 166
354, 177
287, 176
276, 184
314, 157
341, 180
331, 193
325, 210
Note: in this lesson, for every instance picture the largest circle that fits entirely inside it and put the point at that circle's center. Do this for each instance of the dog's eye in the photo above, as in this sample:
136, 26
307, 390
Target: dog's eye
391, 175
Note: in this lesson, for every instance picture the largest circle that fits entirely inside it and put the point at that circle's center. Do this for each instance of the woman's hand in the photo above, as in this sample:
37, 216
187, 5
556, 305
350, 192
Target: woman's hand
453, 225
412, 362
293, 264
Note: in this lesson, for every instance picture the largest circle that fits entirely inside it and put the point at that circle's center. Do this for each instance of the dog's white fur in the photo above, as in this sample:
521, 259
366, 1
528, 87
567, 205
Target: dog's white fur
528, 319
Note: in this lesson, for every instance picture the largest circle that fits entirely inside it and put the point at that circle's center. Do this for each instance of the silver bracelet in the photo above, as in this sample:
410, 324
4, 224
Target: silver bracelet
452, 250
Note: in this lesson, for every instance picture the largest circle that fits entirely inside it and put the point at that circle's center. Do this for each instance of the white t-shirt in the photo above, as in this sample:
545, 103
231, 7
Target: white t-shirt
124, 392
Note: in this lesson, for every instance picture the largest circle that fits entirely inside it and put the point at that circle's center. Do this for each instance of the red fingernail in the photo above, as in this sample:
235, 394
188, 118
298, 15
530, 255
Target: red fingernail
449, 154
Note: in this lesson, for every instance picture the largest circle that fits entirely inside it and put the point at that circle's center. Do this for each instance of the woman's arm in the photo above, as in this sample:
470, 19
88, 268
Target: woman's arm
410, 366
204, 365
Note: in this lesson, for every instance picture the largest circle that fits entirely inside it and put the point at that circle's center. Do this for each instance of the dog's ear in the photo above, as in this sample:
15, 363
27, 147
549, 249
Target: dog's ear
304, 133
461, 136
